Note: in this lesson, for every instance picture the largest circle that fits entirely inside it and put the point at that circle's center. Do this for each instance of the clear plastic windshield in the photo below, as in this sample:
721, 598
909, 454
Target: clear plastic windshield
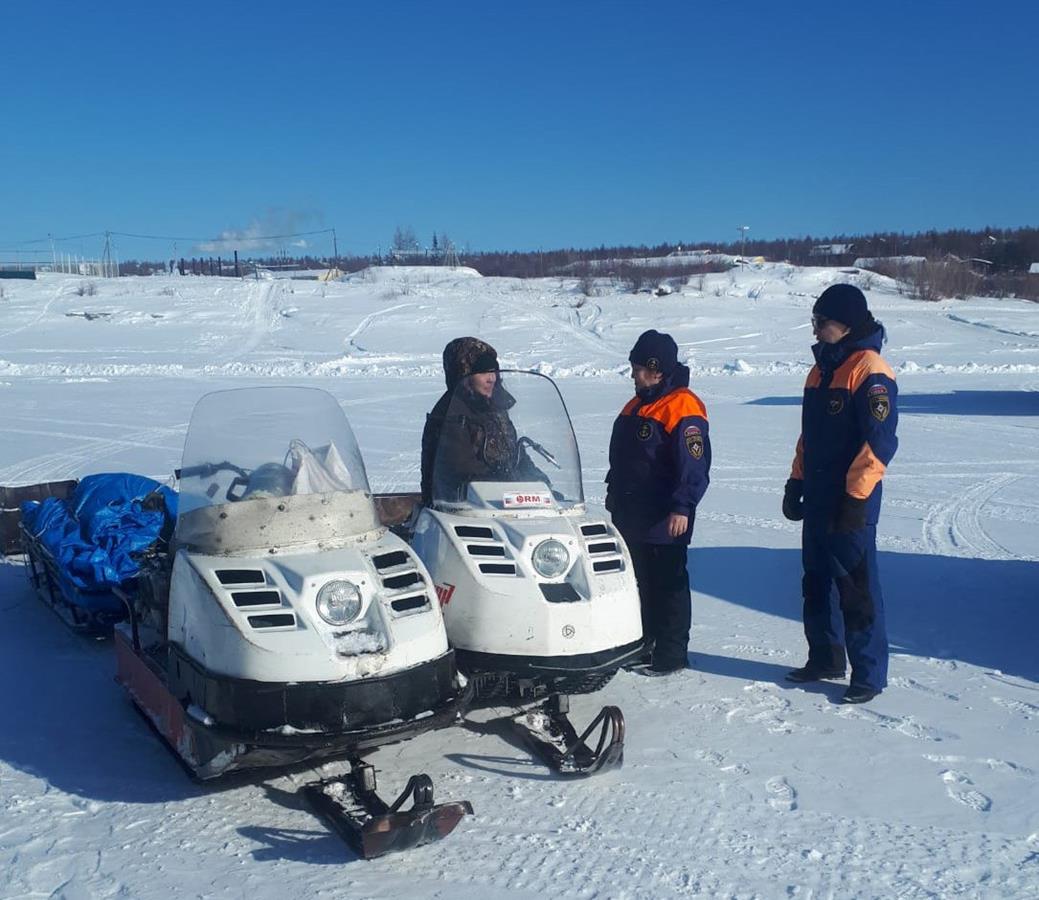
285, 446
506, 441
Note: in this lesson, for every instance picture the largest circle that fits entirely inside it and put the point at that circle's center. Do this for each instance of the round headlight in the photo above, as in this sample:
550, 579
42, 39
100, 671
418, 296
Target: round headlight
551, 559
339, 602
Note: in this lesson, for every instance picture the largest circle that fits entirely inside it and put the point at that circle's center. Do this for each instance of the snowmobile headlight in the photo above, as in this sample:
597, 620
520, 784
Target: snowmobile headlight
339, 602
551, 559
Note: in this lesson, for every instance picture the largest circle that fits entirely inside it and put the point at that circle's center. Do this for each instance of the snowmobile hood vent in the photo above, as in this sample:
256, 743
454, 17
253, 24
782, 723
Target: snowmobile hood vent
498, 568
410, 579
485, 549
474, 531
482, 543
273, 621
410, 604
240, 576
390, 560
250, 599
398, 571
603, 548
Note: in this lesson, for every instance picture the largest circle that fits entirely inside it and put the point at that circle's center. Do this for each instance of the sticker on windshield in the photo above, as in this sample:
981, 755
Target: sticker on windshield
527, 499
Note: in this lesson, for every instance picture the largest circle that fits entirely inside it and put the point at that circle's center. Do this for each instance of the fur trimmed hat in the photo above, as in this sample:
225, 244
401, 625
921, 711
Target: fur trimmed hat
466, 356
656, 351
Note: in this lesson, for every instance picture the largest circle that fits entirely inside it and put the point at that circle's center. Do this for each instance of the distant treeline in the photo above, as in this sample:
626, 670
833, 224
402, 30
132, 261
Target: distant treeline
1003, 249
997, 250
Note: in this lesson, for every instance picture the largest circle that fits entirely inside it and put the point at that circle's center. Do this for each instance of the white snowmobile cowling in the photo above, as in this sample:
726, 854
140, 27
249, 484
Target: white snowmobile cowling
497, 602
256, 617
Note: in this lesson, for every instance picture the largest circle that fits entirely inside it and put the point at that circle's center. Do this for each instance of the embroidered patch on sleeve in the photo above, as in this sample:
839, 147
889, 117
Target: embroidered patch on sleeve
693, 441
645, 431
879, 402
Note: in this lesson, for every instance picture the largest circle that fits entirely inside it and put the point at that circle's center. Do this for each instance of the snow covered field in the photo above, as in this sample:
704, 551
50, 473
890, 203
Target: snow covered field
736, 784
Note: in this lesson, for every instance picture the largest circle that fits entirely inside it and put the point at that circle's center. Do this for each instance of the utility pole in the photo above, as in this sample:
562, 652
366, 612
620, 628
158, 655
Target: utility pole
106, 257
335, 250
743, 229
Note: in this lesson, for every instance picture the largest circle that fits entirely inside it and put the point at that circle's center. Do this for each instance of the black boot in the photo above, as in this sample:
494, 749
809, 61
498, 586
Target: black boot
813, 673
858, 693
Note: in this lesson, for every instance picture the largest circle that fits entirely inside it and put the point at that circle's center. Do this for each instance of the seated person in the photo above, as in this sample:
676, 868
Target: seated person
468, 435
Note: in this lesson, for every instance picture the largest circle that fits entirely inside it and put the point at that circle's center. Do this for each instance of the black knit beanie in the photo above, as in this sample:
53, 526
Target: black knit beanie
656, 351
844, 303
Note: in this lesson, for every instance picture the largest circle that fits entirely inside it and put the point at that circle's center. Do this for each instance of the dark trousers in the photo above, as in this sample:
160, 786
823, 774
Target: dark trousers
855, 622
660, 570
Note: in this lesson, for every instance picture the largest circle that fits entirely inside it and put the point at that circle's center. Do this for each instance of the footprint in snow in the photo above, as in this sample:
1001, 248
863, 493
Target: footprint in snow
718, 761
912, 684
961, 789
781, 796
906, 725
1028, 710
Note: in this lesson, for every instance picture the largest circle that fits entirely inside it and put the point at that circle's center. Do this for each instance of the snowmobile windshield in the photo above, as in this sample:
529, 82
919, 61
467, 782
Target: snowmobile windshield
253, 453
506, 441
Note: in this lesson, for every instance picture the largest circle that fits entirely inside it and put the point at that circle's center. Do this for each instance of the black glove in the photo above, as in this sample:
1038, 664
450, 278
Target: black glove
851, 515
793, 508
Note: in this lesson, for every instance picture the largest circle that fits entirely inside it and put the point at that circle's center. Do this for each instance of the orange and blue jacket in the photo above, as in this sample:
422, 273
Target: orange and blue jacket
660, 461
848, 420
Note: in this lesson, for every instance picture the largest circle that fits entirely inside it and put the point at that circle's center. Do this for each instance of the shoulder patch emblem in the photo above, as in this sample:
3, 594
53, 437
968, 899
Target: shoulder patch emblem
835, 403
693, 441
645, 431
879, 405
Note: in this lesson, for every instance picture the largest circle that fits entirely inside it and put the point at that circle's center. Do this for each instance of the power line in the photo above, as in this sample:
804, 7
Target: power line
74, 237
223, 240
160, 237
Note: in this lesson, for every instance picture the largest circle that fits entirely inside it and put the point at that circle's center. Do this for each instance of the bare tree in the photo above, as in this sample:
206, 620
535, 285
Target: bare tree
404, 239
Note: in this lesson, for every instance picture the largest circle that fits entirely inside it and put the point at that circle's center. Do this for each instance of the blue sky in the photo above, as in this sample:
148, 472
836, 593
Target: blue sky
514, 126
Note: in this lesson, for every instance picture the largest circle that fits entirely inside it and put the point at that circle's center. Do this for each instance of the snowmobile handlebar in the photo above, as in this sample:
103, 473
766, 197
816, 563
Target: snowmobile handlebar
537, 448
208, 470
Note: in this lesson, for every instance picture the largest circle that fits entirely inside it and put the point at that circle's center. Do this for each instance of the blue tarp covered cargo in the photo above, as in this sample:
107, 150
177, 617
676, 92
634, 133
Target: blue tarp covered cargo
96, 536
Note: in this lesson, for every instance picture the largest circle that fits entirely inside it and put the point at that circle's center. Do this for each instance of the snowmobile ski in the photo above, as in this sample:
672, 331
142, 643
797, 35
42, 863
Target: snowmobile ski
552, 736
351, 806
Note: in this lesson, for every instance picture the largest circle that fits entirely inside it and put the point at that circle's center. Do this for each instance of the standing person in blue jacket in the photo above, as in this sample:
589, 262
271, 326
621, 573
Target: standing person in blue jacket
848, 420
660, 459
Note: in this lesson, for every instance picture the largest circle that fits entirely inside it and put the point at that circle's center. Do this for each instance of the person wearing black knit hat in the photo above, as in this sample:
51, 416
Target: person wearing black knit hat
849, 417
660, 460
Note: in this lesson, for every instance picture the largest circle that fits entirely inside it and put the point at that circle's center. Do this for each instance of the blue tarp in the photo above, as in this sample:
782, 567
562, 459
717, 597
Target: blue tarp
96, 535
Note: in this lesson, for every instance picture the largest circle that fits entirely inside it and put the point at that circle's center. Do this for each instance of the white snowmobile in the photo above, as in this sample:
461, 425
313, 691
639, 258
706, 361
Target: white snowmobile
539, 595
286, 624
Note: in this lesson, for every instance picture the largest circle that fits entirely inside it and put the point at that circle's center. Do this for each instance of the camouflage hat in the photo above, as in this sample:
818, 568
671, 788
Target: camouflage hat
466, 356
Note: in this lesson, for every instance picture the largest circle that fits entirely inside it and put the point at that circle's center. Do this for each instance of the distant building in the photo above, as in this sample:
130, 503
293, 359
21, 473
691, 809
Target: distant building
402, 257
1033, 269
831, 250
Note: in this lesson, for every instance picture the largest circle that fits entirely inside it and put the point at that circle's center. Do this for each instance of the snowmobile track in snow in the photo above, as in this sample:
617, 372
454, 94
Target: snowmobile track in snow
953, 528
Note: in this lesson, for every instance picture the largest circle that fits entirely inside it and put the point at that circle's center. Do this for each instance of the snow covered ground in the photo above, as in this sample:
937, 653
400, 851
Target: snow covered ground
736, 784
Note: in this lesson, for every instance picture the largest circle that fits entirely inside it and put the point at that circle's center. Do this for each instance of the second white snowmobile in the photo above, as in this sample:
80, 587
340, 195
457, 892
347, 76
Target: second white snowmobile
538, 593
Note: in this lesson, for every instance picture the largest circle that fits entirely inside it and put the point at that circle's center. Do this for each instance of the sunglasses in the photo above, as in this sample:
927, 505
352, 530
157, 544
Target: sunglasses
819, 321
